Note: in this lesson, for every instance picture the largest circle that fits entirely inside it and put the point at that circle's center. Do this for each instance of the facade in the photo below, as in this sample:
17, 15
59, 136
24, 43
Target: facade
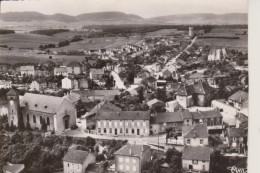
184, 96
74, 67
237, 138
57, 112
77, 161
96, 74
196, 159
69, 83
83, 83
5, 84
124, 123
86, 95
27, 70
60, 71
38, 85
132, 158
195, 135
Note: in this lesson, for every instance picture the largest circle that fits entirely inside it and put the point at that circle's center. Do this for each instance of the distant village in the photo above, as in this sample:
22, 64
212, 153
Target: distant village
167, 99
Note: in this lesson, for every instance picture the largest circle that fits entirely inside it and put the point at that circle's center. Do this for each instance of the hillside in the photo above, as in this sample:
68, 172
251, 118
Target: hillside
123, 18
202, 18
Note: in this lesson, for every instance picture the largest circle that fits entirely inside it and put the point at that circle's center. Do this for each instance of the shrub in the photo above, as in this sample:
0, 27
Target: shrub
73, 126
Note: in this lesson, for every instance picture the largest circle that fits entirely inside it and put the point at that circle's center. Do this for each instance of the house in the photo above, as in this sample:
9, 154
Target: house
196, 159
86, 95
173, 106
96, 74
195, 135
132, 158
57, 112
96, 168
237, 138
77, 161
61, 71
124, 123
74, 67
238, 99
13, 168
38, 85
213, 120
120, 68
202, 94
175, 120
69, 83
167, 74
89, 118
184, 95
27, 70
154, 103
83, 83
5, 84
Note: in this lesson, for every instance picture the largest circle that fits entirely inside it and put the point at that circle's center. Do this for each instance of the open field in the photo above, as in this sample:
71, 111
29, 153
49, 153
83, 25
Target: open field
241, 43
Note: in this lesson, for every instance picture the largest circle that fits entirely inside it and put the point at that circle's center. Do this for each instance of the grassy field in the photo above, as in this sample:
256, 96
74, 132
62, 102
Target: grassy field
241, 43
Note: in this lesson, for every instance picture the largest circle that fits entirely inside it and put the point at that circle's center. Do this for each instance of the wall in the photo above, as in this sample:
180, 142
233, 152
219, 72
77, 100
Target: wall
69, 167
196, 141
66, 83
199, 166
142, 125
127, 164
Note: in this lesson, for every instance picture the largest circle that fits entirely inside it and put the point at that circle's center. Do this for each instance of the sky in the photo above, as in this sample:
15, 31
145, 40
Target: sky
143, 8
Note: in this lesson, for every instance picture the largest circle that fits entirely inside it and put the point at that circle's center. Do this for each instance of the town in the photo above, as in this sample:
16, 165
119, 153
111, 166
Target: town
167, 103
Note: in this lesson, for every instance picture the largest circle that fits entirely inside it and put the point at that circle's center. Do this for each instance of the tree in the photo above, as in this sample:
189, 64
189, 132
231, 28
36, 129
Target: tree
28, 126
141, 94
173, 158
161, 94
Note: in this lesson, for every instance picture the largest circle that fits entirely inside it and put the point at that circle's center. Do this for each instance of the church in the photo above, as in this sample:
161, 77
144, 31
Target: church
58, 112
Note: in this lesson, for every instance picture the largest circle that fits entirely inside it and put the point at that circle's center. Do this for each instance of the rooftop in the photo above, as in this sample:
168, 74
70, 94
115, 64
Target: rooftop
196, 153
239, 96
74, 64
132, 150
195, 131
124, 115
13, 167
75, 156
206, 114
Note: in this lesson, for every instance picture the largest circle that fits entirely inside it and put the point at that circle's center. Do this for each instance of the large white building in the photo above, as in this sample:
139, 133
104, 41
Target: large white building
69, 83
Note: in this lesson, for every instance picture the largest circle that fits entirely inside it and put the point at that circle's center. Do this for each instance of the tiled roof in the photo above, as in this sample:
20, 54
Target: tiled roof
41, 103
88, 93
185, 90
72, 97
153, 101
196, 153
202, 88
74, 64
13, 167
104, 106
239, 96
60, 70
236, 132
206, 114
132, 150
124, 115
167, 117
13, 91
195, 131
75, 156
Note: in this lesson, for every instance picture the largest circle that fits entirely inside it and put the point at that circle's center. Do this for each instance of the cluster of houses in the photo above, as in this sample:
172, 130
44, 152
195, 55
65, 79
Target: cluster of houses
190, 112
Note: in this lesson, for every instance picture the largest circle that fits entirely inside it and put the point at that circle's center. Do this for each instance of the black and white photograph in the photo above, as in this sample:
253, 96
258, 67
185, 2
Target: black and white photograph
124, 86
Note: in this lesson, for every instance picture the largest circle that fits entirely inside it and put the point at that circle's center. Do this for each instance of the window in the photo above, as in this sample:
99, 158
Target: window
188, 141
98, 123
127, 160
133, 160
127, 167
138, 123
110, 130
121, 130
45, 107
201, 141
121, 167
115, 123
68, 165
195, 162
126, 130
99, 130
143, 130
34, 119
144, 123
104, 122
110, 123
105, 130
126, 123
48, 121
121, 124
35, 105
133, 131
120, 159
134, 168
